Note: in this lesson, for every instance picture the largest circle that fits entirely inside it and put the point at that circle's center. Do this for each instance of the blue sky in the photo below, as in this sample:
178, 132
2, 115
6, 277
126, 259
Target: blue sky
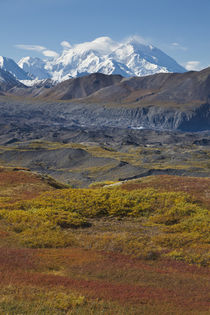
180, 28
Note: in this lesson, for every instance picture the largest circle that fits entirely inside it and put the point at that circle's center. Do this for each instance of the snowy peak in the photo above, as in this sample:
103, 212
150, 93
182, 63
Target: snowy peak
144, 59
35, 67
10, 66
132, 57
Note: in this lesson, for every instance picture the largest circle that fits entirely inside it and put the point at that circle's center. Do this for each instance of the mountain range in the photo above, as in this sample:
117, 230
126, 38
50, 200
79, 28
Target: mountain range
128, 58
126, 94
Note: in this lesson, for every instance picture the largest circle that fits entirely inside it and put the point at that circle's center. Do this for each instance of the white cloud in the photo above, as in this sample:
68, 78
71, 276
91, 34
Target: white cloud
38, 48
31, 47
176, 45
65, 44
50, 53
136, 38
193, 65
103, 44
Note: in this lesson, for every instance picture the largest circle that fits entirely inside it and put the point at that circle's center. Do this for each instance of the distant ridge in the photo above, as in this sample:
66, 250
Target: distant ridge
170, 89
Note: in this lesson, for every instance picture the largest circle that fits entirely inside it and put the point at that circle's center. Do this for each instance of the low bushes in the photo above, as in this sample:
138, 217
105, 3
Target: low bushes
51, 219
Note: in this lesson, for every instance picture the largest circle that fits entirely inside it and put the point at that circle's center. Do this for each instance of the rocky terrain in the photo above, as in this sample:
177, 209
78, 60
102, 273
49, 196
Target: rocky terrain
66, 141
161, 101
100, 127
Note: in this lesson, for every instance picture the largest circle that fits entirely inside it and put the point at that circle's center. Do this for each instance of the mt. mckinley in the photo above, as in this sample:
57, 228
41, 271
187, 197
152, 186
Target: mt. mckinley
129, 58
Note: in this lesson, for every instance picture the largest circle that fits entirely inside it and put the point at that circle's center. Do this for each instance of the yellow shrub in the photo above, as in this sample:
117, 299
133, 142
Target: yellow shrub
63, 301
178, 222
43, 237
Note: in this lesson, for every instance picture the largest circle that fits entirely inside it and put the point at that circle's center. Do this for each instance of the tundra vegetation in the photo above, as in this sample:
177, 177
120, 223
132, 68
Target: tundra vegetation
138, 247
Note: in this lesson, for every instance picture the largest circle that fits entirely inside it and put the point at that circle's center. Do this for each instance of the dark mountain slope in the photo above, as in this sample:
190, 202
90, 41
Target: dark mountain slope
8, 81
158, 89
33, 91
81, 87
174, 88
171, 89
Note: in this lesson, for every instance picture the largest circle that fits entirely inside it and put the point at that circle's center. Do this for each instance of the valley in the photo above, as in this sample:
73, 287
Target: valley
79, 141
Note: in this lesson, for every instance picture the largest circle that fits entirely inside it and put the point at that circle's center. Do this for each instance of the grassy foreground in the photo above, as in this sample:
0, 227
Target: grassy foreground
137, 248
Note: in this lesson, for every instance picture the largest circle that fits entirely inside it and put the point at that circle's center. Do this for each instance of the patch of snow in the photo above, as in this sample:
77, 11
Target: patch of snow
30, 82
138, 128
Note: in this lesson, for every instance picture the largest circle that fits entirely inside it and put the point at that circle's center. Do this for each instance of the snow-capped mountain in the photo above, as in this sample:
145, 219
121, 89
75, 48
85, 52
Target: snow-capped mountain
128, 58
144, 59
9, 65
35, 67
